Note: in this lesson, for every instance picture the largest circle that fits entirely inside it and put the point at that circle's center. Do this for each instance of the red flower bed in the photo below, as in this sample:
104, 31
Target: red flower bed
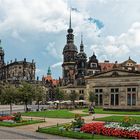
99, 128
6, 118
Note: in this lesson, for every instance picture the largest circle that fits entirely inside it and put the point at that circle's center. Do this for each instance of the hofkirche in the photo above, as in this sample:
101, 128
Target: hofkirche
16, 71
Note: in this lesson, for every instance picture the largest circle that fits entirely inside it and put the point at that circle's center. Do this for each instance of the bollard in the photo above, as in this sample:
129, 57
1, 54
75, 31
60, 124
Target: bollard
93, 135
57, 125
38, 128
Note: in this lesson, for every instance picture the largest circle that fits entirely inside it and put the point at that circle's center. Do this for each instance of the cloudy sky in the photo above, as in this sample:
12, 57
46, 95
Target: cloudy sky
36, 29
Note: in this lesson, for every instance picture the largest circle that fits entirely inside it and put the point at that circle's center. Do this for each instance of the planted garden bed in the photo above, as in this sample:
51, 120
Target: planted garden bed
133, 119
124, 129
16, 120
72, 130
56, 130
24, 122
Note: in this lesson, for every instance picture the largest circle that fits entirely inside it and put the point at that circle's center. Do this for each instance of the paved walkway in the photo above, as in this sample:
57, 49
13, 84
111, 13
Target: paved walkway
49, 122
55, 121
14, 133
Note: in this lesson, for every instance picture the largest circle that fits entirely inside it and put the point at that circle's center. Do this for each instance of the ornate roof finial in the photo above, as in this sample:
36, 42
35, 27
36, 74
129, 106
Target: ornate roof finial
70, 30
81, 38
70, 19
81, 46
129, 58
49, 71
0, 45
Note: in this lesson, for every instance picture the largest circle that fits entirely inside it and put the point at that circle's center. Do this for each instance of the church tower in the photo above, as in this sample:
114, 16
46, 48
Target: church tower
69, 58
81, 64
93, 65
49, 72
1, 56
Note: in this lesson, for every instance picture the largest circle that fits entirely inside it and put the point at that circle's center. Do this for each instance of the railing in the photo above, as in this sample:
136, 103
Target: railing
37, 119
4, 113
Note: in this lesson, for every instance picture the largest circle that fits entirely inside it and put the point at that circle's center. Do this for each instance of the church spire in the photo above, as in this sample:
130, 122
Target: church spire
70, 19
70, 36
70, 30
81, 45
49, 71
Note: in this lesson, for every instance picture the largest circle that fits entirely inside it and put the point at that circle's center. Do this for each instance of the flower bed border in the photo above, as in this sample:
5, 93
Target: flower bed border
99, 128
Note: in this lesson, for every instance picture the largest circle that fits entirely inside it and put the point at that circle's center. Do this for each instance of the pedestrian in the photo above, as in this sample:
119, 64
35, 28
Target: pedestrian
91, 111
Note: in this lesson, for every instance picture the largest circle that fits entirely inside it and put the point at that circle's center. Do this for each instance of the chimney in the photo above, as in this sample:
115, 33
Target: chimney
106, 61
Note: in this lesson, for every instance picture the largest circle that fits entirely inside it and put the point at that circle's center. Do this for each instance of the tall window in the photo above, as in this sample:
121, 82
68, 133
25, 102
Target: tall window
114, 96
99, 97
131, 96
112, 99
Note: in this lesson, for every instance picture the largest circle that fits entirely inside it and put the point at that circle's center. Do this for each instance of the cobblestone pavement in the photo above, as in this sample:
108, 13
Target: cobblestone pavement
14, 133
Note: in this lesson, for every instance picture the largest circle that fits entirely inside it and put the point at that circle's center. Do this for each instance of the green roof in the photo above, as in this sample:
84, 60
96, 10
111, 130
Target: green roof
49, 71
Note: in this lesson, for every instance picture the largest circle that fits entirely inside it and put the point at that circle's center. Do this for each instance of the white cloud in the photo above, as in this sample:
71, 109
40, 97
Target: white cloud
39, 71
43, 15
17, 36
52, 50
120, 47
40, 15
41, 22
56, 65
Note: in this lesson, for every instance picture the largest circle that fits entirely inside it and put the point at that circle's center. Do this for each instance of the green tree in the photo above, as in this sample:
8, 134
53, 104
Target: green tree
92, 97
9, 96
26, 94
59, 94
1, 88
73, 96
39, 94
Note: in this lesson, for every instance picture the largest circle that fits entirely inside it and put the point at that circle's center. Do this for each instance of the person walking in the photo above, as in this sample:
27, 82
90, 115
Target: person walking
91, 111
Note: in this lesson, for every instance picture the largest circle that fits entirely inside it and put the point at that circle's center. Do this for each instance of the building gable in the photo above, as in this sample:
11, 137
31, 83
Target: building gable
115, 73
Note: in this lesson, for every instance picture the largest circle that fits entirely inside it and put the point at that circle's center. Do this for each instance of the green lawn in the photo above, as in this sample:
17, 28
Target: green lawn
52, 114
8, 124
71, 134
101, 111
118, 119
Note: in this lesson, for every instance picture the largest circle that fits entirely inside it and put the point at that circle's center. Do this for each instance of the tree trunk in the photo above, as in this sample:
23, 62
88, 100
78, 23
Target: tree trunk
26, 108
74, 104
38, 105
10, 108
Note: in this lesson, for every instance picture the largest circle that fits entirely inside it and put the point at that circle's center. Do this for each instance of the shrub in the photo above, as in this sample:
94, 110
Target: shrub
78, 121
17, 117
127, 121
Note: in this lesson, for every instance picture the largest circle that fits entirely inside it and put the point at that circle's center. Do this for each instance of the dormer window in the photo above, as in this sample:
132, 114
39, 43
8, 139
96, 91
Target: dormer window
93, 65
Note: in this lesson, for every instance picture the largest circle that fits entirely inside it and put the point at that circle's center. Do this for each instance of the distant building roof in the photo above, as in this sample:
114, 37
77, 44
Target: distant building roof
49, 78
105, 66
